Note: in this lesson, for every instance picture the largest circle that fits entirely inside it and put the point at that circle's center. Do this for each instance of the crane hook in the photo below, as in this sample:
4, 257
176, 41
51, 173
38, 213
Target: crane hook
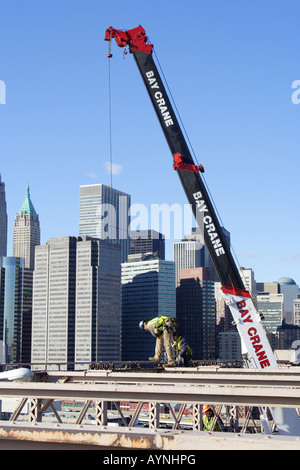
109, 55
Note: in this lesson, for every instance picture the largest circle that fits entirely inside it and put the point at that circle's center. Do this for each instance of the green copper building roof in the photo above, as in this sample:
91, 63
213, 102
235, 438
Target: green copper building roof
27, 205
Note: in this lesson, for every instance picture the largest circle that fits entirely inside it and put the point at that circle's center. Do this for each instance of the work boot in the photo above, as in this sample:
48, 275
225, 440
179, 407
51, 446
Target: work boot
154, 359
170, 364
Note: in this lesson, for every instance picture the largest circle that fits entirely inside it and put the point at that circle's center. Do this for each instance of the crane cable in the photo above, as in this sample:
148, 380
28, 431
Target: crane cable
110, 114
194, 154
114, 264
109, 55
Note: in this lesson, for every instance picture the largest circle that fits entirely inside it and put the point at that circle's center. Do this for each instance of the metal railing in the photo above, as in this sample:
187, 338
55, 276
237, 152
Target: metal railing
185, 387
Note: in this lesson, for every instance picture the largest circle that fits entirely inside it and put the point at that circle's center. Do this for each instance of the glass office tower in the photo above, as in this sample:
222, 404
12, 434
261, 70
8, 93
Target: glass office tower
148, 291
15, 309
196, 311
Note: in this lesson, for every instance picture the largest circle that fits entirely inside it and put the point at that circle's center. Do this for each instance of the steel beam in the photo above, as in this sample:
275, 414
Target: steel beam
202, 376
13, 436
158, 393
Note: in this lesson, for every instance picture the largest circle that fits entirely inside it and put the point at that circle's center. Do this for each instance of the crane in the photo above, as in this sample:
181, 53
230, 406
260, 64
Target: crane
257, 351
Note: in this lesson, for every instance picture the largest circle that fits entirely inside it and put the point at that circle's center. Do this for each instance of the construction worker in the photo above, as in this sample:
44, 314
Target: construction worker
162, 328
183, 352
208, 420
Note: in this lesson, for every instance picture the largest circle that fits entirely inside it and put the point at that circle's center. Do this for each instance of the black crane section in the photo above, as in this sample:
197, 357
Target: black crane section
183, 162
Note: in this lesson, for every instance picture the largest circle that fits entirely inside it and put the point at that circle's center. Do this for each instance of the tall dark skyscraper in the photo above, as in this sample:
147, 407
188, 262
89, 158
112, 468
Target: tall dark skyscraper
147, 241
3, 220
148, 291
15, 309
196, 311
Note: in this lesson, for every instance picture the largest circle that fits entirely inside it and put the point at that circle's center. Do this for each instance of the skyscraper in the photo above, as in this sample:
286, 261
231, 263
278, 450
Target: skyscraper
3, 220
247, 275
147, 241
196, 311
271, 306
53, 312
76, 301
187, 255
192, 253
290, 291
15, 309
98, 301
104, 214
148, 291
26, 232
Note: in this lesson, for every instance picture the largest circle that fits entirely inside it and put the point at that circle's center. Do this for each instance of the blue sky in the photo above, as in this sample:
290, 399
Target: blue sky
230, 66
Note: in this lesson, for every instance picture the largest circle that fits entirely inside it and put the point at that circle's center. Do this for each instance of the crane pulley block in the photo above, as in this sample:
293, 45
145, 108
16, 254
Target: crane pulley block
180, 165
135, 38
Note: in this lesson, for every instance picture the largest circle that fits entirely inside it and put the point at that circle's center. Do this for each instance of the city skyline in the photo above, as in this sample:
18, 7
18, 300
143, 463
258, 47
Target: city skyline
234, 87
68, 327
165, 210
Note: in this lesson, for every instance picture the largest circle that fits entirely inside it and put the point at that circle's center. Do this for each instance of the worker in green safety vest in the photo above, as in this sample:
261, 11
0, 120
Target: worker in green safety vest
162, 328
208, 420
183, 352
